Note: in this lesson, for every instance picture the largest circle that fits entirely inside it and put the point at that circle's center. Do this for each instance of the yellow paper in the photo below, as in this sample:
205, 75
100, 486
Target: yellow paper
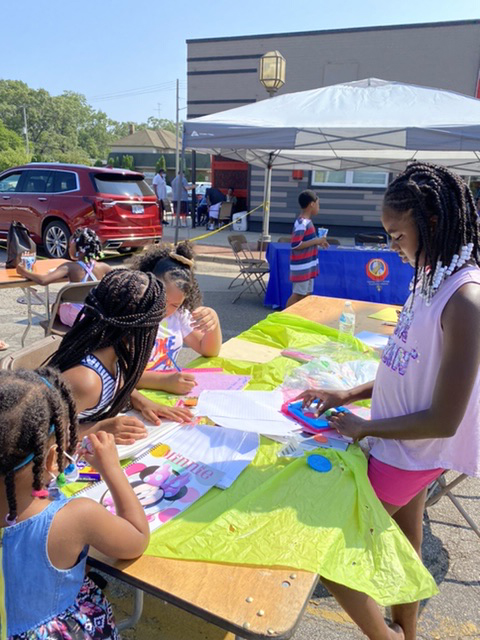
389, 314
236, 349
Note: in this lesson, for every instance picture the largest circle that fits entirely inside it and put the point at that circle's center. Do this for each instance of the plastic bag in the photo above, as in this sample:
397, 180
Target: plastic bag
325, 373
18, 242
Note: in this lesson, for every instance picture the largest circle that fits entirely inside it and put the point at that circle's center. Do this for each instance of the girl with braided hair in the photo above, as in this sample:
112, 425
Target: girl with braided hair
105, 353
186, 321
45, 536
425, 415
84, 248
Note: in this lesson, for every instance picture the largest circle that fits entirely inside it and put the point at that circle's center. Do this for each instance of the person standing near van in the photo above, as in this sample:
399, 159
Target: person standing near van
180, 191
159, 185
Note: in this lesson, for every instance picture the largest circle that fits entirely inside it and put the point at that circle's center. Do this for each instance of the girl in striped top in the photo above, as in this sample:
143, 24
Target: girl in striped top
106, 351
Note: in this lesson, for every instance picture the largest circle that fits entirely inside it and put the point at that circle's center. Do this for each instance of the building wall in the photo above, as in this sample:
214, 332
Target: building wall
340, 208
223, 74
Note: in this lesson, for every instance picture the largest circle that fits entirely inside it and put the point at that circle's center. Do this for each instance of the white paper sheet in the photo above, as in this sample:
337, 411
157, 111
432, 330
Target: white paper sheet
254, 411
155, 434
375, 340
224, 450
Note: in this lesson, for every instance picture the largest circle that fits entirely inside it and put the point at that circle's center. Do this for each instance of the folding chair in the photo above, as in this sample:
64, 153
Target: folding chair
442, 488
225, 214
75, 292
32, 357
245, 255
252, 271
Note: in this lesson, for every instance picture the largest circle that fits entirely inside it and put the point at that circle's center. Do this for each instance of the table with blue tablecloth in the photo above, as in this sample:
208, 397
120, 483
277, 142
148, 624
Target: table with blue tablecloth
345, 272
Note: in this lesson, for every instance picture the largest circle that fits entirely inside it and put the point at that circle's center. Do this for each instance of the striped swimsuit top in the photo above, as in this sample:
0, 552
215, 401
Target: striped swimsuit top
110, 386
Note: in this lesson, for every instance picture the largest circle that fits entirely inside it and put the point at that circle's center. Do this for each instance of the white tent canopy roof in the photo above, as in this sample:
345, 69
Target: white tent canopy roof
369, 123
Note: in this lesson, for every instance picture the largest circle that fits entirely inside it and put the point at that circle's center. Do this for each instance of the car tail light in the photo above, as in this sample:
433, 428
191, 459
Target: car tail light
100, 205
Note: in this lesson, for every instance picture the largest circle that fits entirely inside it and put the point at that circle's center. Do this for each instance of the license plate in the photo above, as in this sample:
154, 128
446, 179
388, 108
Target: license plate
137, 208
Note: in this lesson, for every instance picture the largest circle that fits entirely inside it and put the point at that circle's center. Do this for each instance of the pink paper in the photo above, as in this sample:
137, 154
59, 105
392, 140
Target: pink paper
212, 380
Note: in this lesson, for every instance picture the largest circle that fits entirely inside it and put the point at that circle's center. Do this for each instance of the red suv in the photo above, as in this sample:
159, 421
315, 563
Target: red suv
52, 200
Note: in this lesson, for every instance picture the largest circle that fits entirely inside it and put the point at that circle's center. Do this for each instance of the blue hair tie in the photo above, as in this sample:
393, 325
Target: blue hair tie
47, 382
29, 458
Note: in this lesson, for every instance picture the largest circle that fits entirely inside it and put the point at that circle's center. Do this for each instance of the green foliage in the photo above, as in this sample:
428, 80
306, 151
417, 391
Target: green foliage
12, 158
12, 148
160, 123
161, 164
128, 162
98, 163
60, 128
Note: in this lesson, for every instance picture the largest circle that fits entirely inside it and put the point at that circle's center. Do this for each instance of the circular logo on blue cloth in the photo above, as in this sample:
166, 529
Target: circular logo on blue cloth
377, 269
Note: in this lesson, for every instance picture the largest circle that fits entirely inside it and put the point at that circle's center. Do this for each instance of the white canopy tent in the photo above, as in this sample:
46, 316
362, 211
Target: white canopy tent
366, 124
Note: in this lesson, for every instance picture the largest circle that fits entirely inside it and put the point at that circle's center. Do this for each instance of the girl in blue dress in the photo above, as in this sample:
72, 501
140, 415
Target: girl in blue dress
44, 593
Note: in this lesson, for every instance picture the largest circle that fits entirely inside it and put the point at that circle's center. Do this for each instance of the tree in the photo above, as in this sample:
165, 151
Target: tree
161, 123
128, 162
161, 164
64, 126
12, 151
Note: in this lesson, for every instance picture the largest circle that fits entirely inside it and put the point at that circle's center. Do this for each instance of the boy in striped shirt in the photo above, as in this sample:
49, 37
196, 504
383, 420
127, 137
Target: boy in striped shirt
304, 254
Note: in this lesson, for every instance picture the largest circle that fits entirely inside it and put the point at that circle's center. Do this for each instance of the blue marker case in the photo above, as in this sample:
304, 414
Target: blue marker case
306, 417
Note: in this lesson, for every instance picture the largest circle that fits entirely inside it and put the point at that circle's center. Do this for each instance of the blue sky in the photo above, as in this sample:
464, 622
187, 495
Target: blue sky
104, 47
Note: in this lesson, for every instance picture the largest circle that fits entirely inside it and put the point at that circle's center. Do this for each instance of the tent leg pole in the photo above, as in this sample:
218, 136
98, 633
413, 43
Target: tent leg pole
179, 192
194, 196
266, 238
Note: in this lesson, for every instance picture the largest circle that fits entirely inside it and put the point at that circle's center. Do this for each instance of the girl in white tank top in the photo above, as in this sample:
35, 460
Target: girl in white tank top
426, 397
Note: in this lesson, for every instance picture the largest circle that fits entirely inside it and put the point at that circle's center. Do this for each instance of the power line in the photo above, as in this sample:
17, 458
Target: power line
166, 86
147, 87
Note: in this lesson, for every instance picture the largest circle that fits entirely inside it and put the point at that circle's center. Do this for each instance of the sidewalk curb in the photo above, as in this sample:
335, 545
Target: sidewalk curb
205, 257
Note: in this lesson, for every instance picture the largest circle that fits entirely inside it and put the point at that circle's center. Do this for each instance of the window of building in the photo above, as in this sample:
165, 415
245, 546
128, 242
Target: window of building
355, 178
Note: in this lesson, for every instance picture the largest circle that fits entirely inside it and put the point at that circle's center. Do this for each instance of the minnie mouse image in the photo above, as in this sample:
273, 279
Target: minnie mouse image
157, 487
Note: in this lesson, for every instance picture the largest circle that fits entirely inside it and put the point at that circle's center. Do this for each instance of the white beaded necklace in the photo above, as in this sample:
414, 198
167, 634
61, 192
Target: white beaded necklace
441, 273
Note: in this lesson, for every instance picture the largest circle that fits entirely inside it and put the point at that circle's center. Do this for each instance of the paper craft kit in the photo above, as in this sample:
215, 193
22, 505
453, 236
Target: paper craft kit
165, 482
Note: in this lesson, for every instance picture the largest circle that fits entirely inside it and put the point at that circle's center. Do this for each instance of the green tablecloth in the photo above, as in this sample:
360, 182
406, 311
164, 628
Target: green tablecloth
282, 513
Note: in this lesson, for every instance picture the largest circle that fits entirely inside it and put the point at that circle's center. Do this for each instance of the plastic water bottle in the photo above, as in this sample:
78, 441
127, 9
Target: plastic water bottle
346, 323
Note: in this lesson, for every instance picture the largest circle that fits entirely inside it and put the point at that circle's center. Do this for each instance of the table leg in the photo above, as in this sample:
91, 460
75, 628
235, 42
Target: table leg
29, 314
137, 612
47, 303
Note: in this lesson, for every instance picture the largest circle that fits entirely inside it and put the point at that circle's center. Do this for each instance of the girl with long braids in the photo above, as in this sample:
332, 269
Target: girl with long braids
105, 353
425, 415
186, 322
45, 536
84, 249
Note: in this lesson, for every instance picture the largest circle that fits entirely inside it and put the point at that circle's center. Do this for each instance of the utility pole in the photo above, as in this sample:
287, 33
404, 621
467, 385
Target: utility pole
177, 127
158, 109
177, 196
25, 130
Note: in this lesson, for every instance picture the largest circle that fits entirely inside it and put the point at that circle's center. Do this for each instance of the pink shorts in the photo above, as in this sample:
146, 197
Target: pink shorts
68, 312
398, 486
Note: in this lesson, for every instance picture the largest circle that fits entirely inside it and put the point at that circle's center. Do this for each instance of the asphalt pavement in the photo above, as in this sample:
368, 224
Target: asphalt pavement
451, 550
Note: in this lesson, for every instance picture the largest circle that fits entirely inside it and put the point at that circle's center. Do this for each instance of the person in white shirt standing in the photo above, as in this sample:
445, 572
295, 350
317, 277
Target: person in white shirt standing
159, 185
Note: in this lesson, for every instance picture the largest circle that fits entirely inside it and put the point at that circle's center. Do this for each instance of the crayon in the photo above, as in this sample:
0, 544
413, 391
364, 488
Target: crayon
89, 477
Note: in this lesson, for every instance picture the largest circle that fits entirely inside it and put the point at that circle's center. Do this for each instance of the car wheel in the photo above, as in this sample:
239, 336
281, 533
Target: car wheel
55, 239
